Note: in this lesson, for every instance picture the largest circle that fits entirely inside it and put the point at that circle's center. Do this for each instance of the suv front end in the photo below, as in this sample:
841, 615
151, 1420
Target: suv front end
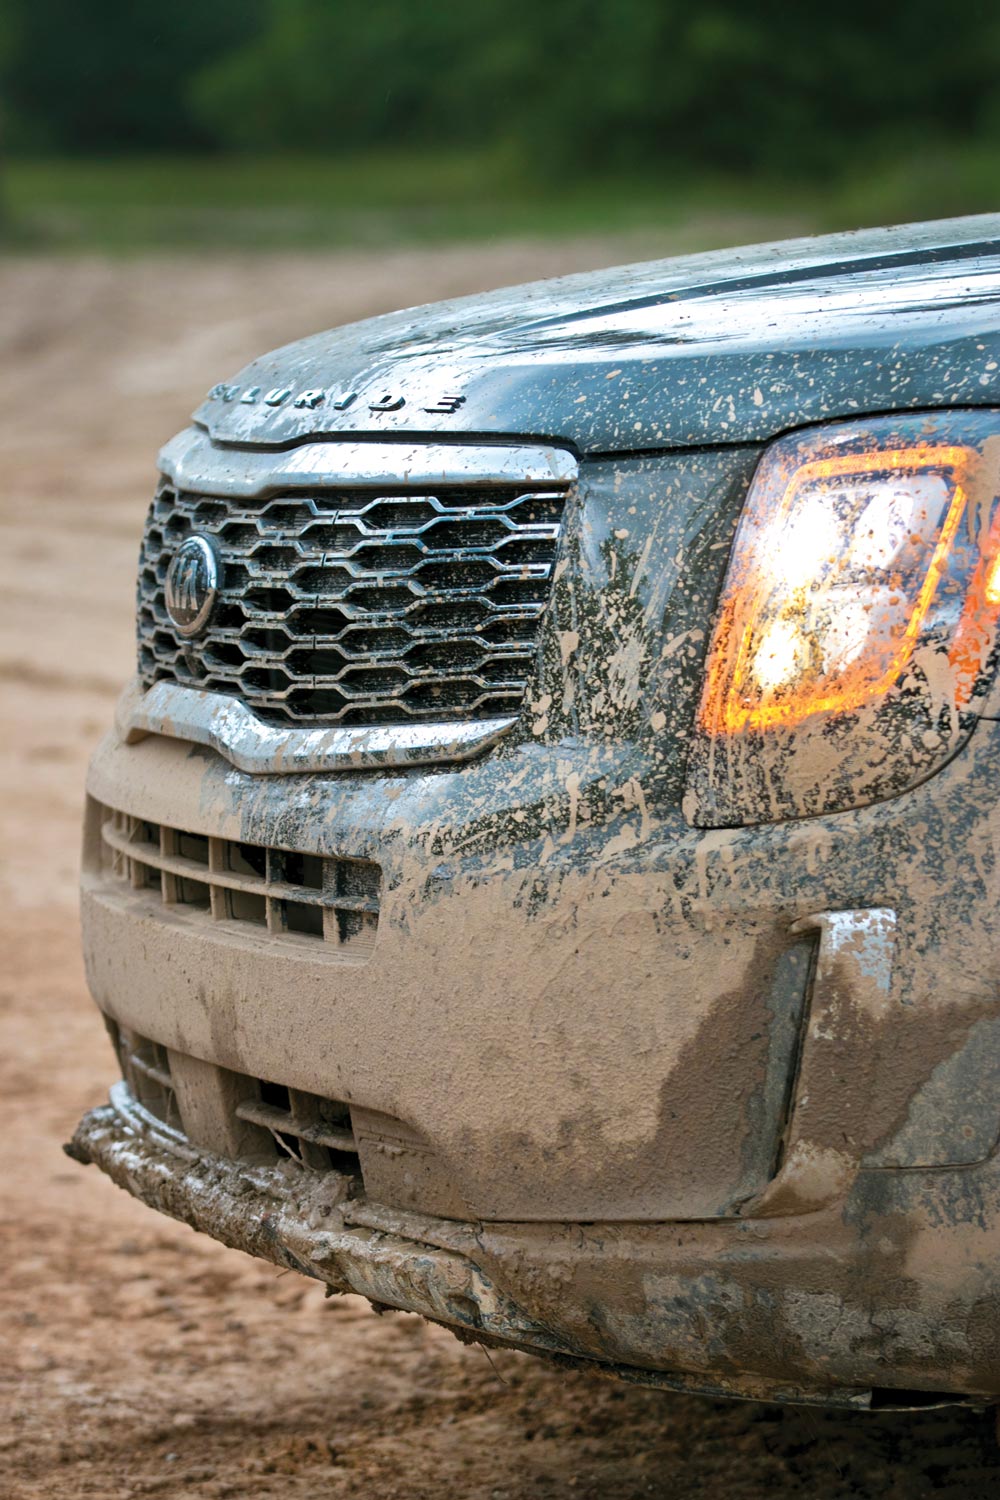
543, 874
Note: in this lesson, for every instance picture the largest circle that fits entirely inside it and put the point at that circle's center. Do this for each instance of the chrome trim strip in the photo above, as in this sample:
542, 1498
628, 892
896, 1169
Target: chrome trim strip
830, 1128
193, 462
247, 742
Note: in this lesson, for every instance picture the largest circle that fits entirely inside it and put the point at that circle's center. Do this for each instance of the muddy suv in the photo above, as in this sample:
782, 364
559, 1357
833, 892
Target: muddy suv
543, 874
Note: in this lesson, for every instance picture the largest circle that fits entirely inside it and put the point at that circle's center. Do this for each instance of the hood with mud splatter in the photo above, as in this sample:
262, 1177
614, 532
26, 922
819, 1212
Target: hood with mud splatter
728, 347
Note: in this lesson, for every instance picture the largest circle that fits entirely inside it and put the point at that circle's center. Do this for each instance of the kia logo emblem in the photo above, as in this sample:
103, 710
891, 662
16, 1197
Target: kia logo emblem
192, 585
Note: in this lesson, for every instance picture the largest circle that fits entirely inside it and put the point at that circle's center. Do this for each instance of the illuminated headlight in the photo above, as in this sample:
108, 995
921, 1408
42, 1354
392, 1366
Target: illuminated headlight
857, 625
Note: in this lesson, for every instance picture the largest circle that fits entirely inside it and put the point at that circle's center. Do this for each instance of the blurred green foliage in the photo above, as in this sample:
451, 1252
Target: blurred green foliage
322, 121
85, 76
565, 86
380, 198
574, 85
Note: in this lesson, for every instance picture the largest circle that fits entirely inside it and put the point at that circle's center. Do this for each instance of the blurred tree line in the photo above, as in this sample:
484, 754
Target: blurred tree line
563, 86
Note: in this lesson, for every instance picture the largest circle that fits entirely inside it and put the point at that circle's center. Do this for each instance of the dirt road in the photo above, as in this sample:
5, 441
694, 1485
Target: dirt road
137, 1357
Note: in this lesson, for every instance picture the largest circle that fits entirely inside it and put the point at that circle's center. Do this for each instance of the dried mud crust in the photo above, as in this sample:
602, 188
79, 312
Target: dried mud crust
139, 1358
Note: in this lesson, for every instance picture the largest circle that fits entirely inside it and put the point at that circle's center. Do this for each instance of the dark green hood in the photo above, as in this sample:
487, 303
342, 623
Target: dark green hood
728, 347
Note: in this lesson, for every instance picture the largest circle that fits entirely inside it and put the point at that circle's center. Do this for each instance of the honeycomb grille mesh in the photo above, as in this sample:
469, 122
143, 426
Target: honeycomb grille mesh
356, 607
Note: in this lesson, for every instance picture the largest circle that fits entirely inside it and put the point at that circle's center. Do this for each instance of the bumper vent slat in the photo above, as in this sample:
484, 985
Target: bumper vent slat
285, 892
357, 607
285, 1122
145, 1067
290, 1124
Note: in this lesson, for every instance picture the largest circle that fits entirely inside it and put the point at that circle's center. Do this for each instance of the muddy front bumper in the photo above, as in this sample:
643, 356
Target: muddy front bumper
606, 1112
808, 1309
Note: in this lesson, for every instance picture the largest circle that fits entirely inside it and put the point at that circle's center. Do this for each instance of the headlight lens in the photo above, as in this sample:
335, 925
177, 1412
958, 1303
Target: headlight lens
857, 621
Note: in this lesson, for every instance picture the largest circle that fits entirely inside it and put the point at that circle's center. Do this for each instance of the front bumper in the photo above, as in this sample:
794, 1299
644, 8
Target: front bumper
574, 1020
679, 1307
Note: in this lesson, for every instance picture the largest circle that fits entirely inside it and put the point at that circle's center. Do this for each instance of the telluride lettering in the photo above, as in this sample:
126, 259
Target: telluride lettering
312, 398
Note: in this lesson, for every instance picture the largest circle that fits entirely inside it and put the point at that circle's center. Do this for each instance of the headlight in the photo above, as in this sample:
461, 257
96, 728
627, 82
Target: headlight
855, 634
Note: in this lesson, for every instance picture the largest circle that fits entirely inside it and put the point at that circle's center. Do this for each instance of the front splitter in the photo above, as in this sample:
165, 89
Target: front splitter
306, 1221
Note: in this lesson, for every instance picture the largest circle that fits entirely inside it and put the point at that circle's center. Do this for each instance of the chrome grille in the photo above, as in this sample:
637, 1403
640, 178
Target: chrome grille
357, 606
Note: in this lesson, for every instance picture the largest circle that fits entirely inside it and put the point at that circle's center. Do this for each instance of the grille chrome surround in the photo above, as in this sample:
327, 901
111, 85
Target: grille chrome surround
234, 730
364, 603
310, 898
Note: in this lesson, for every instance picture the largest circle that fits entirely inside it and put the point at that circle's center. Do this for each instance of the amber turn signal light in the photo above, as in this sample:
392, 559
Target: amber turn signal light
836, 567
857, 632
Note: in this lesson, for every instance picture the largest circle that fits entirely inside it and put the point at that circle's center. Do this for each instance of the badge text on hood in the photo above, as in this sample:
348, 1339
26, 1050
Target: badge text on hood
335, 400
